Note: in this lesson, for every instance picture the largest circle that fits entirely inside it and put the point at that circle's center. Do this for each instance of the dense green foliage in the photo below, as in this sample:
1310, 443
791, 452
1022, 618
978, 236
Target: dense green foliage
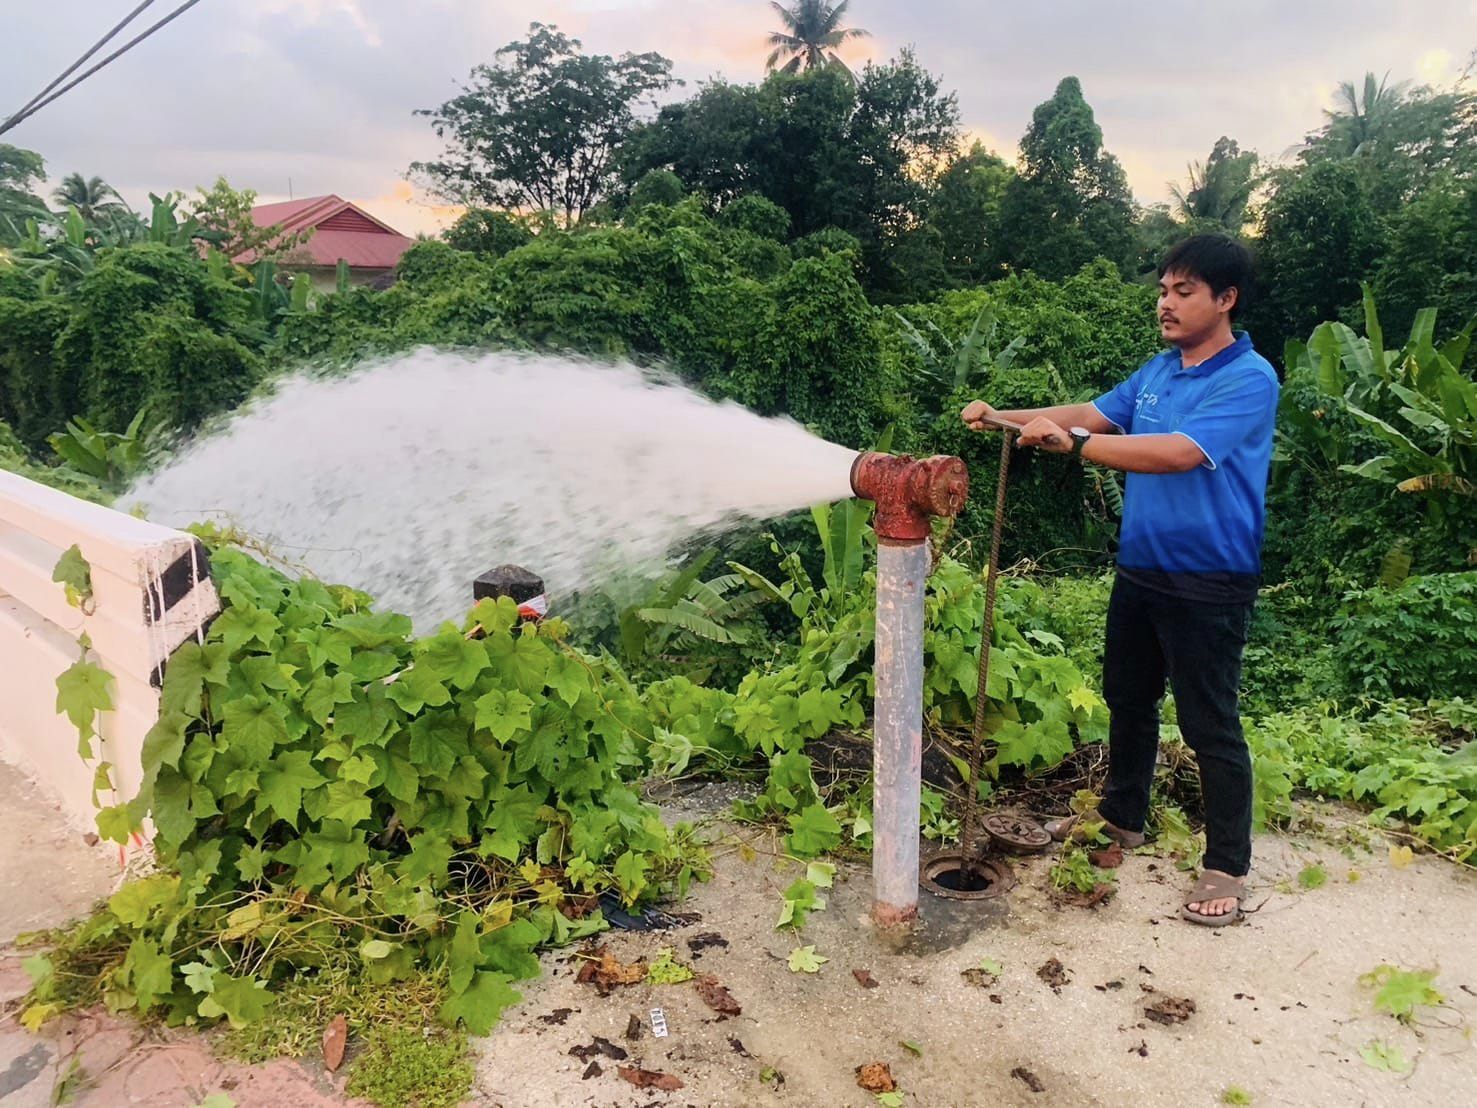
336, 801
318, 779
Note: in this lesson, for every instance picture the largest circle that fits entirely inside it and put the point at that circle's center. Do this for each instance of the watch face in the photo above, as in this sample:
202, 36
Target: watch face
1083, 431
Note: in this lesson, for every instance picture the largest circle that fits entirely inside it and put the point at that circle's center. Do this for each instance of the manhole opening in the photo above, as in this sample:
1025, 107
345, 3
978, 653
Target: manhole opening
946, 875
961, 879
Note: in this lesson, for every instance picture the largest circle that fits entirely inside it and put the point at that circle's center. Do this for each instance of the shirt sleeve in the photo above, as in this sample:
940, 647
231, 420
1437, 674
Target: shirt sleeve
1229, 414
1117, 406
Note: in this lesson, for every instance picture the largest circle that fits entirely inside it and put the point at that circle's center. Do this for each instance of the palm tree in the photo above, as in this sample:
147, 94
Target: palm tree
1219, 189
96, 201
1358, 120
812, 32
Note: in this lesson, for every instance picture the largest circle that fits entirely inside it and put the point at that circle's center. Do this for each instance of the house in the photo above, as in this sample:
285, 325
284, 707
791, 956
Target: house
341, 230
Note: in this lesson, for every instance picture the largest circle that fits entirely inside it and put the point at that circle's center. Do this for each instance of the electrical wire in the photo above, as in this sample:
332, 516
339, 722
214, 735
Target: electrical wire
36, 105
64, 74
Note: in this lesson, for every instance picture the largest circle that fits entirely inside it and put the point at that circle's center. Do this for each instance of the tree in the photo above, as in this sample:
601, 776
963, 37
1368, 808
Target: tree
1319, 236
1070, 202
1358, 118
1430, 259
857, 154
539, 129
96, 201
812, 32
964, 208
1218, 191
487, 232
224, 213
20, 172
1399, 137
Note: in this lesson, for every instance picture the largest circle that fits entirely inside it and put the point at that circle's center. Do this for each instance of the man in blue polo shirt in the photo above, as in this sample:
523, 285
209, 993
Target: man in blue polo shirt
1194, 435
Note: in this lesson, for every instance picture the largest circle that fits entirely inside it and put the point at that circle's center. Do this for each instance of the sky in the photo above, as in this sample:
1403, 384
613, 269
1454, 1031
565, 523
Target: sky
316, 96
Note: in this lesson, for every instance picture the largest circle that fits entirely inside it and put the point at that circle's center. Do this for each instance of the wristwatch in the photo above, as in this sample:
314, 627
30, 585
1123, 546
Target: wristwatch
1080, 435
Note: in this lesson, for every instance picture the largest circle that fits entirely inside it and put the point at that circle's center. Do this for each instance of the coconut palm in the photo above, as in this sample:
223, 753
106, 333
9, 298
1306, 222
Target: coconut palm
812, 31
1219, 189
1360, 117
95, 200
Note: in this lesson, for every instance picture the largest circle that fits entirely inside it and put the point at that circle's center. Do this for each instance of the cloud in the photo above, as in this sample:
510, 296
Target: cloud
321, 91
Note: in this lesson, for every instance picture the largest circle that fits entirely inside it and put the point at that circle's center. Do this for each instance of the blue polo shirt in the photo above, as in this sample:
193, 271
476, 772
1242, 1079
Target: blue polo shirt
1198, 534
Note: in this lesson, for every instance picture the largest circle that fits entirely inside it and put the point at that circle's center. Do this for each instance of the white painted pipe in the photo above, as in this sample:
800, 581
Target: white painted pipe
897, 754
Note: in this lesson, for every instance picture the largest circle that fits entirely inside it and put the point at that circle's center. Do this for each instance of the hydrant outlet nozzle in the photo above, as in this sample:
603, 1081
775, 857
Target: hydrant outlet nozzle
908, 491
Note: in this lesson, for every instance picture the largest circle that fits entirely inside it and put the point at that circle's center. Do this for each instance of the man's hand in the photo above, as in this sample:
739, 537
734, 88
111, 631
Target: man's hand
1043, 433
975, 413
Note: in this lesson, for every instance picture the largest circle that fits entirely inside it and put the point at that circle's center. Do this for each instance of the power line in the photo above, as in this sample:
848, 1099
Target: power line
98, 45
33, 108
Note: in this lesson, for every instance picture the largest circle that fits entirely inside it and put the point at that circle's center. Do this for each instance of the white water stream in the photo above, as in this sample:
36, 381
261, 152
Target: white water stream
409, 477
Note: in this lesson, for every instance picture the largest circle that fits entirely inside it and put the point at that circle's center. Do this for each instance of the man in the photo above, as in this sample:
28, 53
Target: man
1195, 439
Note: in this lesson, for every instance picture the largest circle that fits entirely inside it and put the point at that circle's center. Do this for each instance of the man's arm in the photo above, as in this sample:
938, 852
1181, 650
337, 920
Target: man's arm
1063, 415
1172, 453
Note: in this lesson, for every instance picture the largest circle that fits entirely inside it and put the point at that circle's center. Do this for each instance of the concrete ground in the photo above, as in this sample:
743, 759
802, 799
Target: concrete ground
1279, 1011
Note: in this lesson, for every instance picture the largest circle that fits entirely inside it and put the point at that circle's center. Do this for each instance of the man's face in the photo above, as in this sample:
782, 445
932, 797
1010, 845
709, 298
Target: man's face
1188, 310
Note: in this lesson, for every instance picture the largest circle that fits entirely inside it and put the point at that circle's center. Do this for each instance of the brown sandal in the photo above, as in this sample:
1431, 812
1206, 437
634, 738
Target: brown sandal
1215, 885
1063, 829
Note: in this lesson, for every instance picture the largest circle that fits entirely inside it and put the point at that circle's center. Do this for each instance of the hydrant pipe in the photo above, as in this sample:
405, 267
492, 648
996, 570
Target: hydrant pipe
897, 727
908, 493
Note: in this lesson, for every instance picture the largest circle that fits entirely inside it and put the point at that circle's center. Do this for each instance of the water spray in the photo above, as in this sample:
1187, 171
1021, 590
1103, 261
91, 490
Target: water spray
908, 493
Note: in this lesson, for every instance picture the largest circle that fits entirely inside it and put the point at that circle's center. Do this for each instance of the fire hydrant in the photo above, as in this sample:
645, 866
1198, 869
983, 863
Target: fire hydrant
908, 493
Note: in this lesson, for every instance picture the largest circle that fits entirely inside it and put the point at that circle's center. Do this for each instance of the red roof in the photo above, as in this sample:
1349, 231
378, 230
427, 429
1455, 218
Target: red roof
340, 228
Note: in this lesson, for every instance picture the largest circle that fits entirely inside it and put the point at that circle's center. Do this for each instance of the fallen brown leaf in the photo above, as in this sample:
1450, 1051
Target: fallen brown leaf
716, 996
1020, 1073
1110, 857
864, 978
592, 1070
335, 1038
876, 1077
1053, 973
701, 942
557, 1016
649, 1079
1170, 1009
601, 1045
633, 1028
605, 971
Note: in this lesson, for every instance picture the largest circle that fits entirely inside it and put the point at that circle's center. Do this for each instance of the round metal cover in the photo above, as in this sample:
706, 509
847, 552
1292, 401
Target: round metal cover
1016, 834
945, 875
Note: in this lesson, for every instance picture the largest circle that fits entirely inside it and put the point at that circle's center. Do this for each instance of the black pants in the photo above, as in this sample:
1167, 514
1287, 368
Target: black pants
1197, 646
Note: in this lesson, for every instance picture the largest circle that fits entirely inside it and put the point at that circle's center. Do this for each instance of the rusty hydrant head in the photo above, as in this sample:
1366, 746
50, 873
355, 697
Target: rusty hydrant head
908, 491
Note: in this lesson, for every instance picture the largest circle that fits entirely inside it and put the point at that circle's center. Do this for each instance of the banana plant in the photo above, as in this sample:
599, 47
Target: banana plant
683, 611
109, 458
943, 366
1415, 402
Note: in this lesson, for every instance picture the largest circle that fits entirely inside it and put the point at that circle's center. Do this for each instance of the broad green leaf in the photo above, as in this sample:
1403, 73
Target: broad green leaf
252, 727
75, 574
503, 713
325, 694
242, 1000
149, 971
237, 626
1380, 1055
482, 1003
453, 658
82, 691
814, 830
804, 959
283, 782
138, 901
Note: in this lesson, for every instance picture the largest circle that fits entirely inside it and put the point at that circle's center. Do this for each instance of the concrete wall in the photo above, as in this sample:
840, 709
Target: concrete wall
151, 592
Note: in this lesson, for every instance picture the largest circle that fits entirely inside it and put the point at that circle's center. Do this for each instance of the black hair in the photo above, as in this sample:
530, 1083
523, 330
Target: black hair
1218, 260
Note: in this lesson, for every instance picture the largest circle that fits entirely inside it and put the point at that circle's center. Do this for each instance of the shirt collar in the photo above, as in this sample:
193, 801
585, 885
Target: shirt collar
1241, 344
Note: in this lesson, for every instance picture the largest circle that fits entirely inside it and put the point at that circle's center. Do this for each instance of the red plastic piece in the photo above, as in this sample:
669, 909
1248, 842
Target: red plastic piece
908, 491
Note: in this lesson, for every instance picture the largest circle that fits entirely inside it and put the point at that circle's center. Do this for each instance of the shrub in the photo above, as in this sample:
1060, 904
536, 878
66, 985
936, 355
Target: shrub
1419, 639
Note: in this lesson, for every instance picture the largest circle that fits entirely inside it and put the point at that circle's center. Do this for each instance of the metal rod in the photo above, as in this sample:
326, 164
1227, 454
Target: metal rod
970, 832
902, 578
